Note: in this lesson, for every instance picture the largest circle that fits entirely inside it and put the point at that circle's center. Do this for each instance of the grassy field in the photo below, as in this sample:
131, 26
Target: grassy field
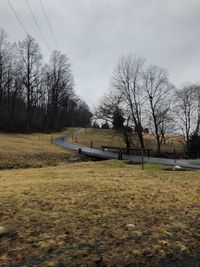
101, 137
98, 214
104, 213
31, 150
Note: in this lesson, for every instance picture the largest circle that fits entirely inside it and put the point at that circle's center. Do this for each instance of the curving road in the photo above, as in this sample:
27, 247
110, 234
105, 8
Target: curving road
97, 153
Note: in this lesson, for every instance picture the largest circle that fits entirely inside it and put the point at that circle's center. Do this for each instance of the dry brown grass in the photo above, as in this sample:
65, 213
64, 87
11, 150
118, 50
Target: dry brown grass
79, 215
101, 137
31, 150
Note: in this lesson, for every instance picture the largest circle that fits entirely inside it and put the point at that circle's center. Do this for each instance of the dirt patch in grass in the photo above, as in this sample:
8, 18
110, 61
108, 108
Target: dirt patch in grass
132, 162
99, 214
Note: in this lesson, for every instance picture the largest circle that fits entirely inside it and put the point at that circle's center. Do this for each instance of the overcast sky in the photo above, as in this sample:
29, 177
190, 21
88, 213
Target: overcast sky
95, 33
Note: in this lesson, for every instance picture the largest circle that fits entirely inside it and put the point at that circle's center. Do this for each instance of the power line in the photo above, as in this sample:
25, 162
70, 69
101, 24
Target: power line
49, 24
37, 24
18, 18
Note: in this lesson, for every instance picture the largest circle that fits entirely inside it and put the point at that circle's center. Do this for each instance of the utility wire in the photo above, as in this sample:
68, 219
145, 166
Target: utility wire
18, 18
37, 24
49, 24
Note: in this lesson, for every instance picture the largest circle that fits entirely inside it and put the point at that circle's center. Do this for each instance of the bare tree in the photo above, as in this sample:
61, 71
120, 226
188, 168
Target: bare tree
82, 117
186, 108
59, 81
127, 80
9, 80
4, 71
30, 55
33, 97
158, 93
108, 105
113, 110
4, 58
196, 89
14, 90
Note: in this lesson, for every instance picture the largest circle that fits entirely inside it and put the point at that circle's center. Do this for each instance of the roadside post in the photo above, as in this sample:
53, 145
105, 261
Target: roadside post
142, 158
120, 154
174, 154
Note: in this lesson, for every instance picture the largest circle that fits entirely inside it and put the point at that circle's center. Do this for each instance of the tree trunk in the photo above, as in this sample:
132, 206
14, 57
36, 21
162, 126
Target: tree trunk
158, 147
141, 139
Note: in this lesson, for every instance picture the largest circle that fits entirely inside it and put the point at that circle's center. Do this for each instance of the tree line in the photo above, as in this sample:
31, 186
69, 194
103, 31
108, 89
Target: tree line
36, 96
142, 99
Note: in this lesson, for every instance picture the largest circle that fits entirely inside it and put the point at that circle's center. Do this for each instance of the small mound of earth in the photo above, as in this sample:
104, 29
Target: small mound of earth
132, 162
185, 262
74, 159
7, 232
81, 159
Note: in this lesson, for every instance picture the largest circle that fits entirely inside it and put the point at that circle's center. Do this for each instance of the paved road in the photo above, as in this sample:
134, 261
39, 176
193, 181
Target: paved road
97, 153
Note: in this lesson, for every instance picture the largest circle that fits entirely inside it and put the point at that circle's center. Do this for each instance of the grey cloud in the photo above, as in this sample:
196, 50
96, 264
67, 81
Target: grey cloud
94, 33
